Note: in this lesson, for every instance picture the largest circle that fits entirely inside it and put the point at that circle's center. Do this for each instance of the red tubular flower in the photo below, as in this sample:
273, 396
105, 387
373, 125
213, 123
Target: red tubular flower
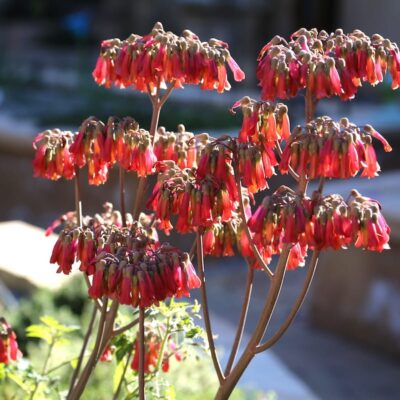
8, 343
106, 356
192, 280
96, 290
297, 257
86, 252
124, 296
146, 288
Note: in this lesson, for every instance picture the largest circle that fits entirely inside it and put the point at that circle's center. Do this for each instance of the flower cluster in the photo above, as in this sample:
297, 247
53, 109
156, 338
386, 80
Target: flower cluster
122, 141
332, 64
264, 124
325, 148
199, 197
279, 220
159, 58
153, 347
182, 147
53, 158
336, 224
220, 237
317, 223
8, 343
96, 234
101, 145
369, 227
138, 273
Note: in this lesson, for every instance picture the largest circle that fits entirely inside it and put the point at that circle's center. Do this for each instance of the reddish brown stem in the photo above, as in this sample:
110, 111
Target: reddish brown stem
141, 188
78, 201
84, 346
126, 327
296, 307
141, 354
231, 380
242, 319
122, 195
206, 314
77, 391
248, 233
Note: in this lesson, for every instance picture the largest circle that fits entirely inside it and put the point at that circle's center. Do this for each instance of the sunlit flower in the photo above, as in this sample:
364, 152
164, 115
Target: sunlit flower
161, 58
332, 64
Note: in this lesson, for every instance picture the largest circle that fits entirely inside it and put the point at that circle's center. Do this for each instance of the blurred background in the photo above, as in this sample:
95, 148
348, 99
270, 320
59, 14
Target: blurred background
345, 343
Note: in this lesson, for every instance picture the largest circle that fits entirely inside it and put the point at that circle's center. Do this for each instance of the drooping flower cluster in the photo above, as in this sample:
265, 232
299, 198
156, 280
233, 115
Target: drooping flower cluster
160, 58
53, 159
317, 223
153, 347
198, 197
138, 273
264, 124
127, 263
370, 229
9, 350
325, 148
182, 147
332, 64
101, 145
220, 237
82, 244
336, 224
279, 220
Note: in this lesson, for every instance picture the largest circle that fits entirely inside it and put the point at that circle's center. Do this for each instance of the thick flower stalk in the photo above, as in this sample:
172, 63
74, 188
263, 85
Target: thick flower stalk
160, 58
9, 350
327, 65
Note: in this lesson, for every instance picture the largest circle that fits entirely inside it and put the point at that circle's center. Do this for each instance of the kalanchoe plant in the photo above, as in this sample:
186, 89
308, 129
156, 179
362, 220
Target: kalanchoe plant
206, 185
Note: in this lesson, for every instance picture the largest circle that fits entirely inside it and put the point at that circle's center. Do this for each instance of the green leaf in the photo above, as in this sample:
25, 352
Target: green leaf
2, 371
51, 322
190, 334
18, 380
123, 347
170, 393
118, 374
40, 332
74, 363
